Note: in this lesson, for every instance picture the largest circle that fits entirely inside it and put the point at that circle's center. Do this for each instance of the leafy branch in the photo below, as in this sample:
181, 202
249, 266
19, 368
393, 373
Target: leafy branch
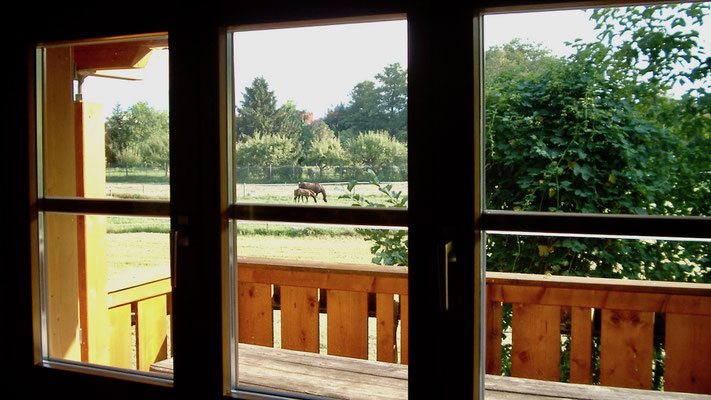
390, 245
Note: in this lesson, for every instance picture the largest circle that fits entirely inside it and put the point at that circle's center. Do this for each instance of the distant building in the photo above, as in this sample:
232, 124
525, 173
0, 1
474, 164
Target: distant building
307, 117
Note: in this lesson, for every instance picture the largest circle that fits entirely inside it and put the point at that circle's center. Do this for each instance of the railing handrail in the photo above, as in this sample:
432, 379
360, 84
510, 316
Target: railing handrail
607, 284
349, 277
601, 293
139, 292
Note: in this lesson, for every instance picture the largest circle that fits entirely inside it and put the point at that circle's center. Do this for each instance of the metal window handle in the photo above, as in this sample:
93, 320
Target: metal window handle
179, 239
449, 257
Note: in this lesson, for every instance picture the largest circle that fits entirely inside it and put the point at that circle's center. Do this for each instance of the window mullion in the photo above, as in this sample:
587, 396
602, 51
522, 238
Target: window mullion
396, 217
605, 225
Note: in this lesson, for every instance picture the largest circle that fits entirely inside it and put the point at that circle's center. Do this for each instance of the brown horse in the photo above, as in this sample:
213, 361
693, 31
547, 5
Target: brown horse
305, 193
315, 187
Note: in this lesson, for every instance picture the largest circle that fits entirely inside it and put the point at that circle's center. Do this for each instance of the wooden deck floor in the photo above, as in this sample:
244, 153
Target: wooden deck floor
276, 370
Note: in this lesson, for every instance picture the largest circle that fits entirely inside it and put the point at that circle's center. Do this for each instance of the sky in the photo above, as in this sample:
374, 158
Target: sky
316, 68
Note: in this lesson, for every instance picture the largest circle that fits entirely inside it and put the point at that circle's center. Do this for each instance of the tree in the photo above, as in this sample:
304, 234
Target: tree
258, 111
138, 135
381, 106
259, 114
363, 110
267, 150
598, 133
375, 149
393, 100
288, 121
325, 149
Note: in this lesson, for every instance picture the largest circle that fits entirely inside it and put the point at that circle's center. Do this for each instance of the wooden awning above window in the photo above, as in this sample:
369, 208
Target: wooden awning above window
116, 55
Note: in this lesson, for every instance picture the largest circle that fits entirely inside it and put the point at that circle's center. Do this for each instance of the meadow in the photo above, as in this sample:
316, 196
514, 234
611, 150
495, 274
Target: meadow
138, 248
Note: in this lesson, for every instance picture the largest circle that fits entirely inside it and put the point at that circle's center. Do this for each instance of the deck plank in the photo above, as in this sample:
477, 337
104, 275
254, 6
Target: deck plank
278, 371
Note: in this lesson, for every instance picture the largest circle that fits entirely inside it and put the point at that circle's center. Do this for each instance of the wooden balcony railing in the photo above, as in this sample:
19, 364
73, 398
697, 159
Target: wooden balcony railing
619, 315
347, 288
138, 323
625, 314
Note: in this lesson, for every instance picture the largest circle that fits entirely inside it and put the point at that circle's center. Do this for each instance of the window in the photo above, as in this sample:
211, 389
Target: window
104, 233
449, 218
319, 282
593, 162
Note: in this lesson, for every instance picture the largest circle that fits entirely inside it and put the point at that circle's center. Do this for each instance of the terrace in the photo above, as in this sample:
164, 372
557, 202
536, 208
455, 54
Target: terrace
621, 314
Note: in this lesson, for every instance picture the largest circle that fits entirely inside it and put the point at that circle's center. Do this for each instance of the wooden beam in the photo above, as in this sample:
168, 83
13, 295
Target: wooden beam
115, 55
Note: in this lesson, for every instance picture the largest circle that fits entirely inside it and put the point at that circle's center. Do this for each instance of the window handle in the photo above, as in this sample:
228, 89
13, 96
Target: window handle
178, 239
449, 258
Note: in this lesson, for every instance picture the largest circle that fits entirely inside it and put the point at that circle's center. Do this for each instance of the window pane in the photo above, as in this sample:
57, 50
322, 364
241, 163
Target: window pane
108, 290
118, 106
602, 311
321, 108
321, 105
105, 281
608, 113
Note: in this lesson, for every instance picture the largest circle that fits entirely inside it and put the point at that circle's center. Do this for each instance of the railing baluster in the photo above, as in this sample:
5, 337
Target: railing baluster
255, 317
626, 344
493, 335
386, 325
120, 341
535, 351
347, 323
151, 331
299, 319
687, 367
581, 345
404, 329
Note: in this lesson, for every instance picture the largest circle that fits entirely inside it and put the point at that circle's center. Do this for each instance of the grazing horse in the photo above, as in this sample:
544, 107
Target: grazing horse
305, 193
315, 187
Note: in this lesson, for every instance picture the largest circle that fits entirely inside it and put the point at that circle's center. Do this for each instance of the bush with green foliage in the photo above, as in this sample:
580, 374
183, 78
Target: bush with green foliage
390, 245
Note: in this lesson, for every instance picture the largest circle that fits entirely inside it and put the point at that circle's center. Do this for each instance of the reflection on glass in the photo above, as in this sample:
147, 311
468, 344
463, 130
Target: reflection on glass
604, 114
108, 286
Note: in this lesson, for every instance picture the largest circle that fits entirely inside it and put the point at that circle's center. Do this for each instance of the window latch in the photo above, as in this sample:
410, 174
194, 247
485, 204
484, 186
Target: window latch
449, 257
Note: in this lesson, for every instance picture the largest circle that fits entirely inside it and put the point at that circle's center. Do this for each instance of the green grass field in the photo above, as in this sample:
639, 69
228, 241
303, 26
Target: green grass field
255, 193
139, 248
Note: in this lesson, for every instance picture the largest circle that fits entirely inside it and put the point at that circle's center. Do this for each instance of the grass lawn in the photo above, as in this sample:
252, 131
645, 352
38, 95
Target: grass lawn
254, 193
137, 257
138, 248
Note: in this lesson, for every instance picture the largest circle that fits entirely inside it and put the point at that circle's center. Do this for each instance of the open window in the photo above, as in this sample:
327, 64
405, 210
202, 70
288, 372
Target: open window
103, 272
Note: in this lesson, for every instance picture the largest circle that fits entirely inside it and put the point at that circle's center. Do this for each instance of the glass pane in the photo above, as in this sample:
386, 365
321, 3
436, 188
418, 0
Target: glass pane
108, 290
105, 280
106, 119
611, 312
318, 298
325, 109
321, 105
608, 113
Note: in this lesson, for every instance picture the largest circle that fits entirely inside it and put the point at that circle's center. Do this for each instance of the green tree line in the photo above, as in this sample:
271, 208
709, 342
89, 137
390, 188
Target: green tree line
369, 131
138, 136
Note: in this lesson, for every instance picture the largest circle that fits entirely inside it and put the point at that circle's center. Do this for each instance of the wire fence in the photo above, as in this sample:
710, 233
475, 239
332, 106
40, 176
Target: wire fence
265, 174
299, 173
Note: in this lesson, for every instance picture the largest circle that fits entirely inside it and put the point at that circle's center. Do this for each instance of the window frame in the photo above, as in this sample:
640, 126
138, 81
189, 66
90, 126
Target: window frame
202, 374
43, 205
577, 224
